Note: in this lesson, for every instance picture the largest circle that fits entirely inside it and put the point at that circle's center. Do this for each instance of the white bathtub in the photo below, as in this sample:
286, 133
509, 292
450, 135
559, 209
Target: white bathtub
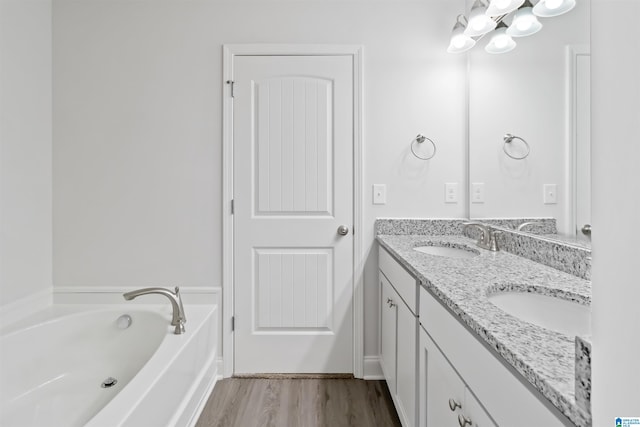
52, 366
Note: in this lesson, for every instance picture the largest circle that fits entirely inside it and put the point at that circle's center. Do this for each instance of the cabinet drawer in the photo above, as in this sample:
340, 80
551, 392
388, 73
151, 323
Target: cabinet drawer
403, 282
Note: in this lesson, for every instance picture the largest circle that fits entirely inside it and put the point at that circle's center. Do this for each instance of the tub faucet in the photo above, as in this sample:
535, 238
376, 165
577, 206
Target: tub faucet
488, 239
179, 319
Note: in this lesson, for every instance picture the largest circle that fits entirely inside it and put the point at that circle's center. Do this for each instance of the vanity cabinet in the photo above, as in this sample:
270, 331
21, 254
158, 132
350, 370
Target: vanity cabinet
429, 357
399, 336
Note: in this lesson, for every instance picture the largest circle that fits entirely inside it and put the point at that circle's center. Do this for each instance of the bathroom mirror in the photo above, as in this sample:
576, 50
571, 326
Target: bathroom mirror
539, 94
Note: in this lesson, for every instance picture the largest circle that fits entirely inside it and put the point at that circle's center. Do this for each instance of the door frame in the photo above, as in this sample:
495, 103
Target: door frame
229, 52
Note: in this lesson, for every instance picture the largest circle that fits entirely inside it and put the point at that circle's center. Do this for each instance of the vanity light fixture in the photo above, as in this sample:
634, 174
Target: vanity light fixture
485, 17
549, 8
479, 22
501, 42
502, 7
524, 22
459, 41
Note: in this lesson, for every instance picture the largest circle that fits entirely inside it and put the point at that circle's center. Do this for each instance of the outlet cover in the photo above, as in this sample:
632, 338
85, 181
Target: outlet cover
451, 192
477, 192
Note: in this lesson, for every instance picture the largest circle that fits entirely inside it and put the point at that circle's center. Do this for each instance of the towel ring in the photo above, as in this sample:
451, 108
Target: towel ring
507, 140
420, 139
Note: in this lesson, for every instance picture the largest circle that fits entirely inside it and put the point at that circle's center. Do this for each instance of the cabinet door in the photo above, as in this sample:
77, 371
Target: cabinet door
406, 363
388, 328
438, 384
474, 412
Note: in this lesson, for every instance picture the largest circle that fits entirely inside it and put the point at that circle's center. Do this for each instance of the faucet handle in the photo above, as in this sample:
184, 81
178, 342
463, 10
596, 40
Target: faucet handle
183, 318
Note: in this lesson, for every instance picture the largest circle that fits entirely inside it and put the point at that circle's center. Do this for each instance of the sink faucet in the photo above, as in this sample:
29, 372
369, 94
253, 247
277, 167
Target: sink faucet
179, 319
529, 224
488, 239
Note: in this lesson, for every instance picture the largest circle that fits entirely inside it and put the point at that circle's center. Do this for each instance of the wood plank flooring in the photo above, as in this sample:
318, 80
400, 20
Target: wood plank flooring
251, 402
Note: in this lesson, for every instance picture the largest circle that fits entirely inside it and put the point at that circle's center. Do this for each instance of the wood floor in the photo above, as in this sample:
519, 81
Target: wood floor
251, 402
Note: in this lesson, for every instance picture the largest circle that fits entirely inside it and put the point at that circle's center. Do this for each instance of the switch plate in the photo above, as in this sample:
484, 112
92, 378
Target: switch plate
477, 192
550, 194
451, 192
379, 194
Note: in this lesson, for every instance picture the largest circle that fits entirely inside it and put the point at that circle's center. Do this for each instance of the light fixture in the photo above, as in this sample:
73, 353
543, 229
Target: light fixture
502, 7
459, 41
524, 22
479, 23
501, 42
549, 8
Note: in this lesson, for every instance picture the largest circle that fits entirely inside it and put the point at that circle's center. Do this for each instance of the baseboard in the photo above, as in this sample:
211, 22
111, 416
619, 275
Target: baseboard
372, 368
220, 367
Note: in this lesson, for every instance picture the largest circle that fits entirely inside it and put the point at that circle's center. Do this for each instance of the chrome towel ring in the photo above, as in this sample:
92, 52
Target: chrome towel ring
508, 138
420, 139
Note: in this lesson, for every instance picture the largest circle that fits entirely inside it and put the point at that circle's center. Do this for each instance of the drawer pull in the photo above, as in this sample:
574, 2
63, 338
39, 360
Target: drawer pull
453, 405
463, 421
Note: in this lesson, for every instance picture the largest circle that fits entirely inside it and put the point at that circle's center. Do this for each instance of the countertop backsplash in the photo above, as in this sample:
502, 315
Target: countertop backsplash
540, 247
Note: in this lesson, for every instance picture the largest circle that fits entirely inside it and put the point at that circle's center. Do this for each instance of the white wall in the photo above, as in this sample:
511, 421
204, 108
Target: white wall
25, 148
137, 135
616, 183
523, 93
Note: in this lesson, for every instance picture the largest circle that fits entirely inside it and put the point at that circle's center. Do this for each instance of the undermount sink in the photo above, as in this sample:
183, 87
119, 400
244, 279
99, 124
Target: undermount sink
557, 314
447, 251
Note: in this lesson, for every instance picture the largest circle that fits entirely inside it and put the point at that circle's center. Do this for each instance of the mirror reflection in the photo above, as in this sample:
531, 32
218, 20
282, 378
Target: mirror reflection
529, 139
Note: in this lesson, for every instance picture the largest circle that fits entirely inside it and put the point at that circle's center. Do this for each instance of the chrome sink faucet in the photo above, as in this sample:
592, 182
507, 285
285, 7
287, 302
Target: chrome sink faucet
488, 239
179, 319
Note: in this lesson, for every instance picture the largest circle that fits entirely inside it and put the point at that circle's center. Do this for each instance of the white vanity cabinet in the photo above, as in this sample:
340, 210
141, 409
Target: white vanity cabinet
428, 357
445, 399
399, 336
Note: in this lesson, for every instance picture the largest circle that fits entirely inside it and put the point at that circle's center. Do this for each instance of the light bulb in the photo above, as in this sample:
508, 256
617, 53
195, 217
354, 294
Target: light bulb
459, 42
502, 4
553, 4
524, 23
501, 41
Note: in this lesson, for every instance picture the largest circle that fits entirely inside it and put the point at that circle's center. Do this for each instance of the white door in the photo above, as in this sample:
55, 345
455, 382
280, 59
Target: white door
293, 189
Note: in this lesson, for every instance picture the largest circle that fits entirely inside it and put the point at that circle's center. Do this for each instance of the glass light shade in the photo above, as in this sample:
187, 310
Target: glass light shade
501, 42
502, 7
549, 8
459, 41
479, 22
524, 23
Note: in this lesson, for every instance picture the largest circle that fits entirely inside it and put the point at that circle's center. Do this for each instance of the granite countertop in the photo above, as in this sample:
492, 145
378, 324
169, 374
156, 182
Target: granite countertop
546, 358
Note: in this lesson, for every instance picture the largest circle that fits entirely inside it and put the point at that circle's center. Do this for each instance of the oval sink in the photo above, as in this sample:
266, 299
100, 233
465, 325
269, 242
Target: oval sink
447, 251
557, 314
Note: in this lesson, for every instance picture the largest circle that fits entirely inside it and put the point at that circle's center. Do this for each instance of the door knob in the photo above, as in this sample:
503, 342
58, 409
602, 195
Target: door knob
343, 230
586, 230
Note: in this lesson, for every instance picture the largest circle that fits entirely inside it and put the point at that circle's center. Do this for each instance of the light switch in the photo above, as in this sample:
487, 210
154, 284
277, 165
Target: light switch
550, 194
379, 194
477, 192
451, 192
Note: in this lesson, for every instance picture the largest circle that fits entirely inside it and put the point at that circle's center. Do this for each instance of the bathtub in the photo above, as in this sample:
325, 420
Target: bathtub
57, 367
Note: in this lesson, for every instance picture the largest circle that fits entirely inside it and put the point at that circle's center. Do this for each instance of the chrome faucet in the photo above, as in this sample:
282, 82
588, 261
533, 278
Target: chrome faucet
529, 224
488, 239
179, 319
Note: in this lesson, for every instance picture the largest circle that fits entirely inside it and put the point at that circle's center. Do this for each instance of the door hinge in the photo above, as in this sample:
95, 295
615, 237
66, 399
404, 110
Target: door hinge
231, 83
232, 207
233, 323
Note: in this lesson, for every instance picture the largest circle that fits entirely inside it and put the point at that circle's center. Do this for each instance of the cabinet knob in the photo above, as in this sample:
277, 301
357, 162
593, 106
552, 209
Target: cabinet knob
453, 404
463, 421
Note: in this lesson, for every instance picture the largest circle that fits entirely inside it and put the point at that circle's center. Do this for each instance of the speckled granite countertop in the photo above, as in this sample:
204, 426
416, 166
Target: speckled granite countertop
545, 358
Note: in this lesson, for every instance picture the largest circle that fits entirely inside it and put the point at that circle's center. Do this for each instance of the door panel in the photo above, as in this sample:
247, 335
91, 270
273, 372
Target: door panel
293, 187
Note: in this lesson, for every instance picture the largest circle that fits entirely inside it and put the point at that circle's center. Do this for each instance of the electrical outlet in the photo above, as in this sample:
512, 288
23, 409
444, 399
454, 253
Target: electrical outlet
477, 192
451, 192
550, 194
379, 194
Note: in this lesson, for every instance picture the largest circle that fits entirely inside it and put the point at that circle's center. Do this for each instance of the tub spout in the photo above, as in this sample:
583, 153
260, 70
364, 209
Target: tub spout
179, 319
